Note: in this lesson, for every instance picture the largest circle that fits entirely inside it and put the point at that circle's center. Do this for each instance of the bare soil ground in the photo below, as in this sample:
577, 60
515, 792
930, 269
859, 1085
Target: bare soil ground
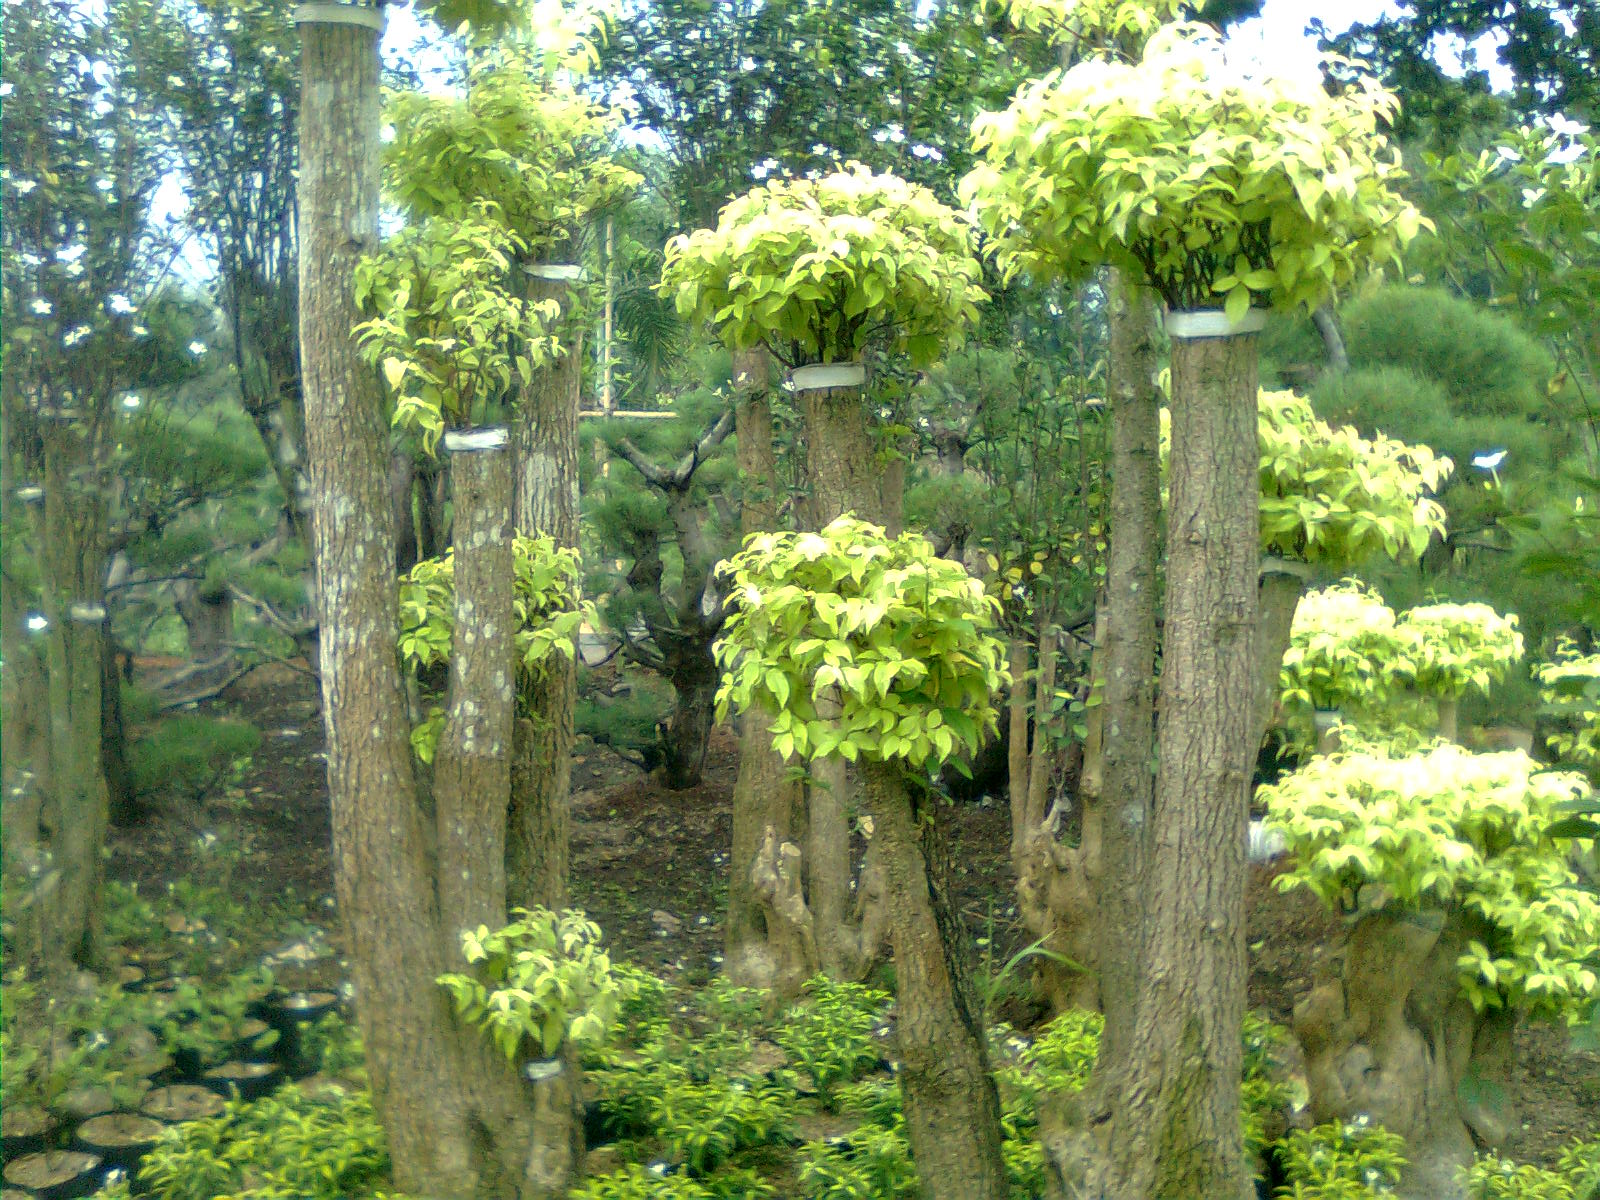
650, 865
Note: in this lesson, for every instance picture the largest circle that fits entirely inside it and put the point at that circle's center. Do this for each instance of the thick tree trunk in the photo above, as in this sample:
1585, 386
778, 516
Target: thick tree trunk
688, 730
208, 620
768, 941
1388, 1035
844, 478
472, 764
545, 456
952, 1108
458, 1119
1177, 1127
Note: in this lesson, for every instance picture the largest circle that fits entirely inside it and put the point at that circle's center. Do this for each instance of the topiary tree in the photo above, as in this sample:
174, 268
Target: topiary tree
868, 649
1390, 678
818, 272
1215, 188
1467, 917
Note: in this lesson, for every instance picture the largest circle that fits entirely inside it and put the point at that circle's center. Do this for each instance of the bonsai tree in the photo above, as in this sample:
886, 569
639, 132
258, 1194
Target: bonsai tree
819, 272
1467, 918
1215, 189
866, 649
1388, 675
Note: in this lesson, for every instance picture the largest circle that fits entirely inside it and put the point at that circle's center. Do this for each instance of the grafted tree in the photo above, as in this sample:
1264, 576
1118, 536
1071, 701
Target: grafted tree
1106, 163
819, 272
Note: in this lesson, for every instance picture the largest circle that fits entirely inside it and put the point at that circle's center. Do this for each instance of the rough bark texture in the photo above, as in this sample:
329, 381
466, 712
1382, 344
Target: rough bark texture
768, 939
1388, 1034
842, 470
545, 452
458, 1120
1177, 1112
1280, 594
472, 764
952, 1108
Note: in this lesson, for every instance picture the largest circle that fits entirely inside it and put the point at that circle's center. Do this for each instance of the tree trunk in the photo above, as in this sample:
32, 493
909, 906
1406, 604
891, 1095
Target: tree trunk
472, 764
688, 730
122, 808
1389, 1035
208, 620
761, 946
457, 1118
77, 811
952, 1108
545, 452
1449, 728
1177, 1127
402, 499
1282, 585
844, 478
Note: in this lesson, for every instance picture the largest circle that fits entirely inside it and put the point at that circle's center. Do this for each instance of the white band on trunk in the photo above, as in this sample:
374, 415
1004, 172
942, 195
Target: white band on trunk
557, 272
31, 494
339, 14
87, 612
822, 376
1212, 323
487, 437
1287, 566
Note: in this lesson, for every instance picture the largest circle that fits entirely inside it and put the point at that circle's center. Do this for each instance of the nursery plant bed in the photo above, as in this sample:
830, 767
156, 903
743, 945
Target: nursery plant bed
24, 1129
252, 1080
181, 1102
56, 1174
120, 1139
82, 1103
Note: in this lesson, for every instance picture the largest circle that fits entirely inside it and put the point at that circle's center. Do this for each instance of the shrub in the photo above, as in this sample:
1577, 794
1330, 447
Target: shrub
325, 1146
1443, 830
831, 1036
634, 1182
1569, 687
1576, 1177
191, 755
871, 1163
1353, 1161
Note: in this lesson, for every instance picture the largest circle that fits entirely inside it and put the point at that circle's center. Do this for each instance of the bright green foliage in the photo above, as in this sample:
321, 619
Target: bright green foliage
534, 150
325, 1146
1570, 688
208, 1021
1460, 647
1333, 497
1354, 1161
703, 1124
451, 321
1576, 1176
903, 636
634, 1182
1215, 187
1095, 23
830, 1036
1449, 829
548, 615
817, 268
1348, 651
537, 984
871, 1163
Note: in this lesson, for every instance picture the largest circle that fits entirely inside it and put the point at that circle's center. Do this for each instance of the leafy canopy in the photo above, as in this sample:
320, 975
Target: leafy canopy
1095, 23
545, 600
1449, 829
535, 148
1210, 184
817, 268
905, 638
451, 323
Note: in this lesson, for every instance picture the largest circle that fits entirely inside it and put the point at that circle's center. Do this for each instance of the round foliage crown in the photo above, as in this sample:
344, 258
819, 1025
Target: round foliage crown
901, 638
818, 268
1212, 185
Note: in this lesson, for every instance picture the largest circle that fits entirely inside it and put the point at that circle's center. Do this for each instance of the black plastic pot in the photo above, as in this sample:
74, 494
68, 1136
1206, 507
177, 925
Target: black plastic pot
250, 1042
56, 1174
288, 1014
181, 1102
25, 1129
120, 1139
251, 1080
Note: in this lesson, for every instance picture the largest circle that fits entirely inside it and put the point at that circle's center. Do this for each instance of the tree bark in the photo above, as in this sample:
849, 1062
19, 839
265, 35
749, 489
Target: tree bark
844, 478
472, 764
1282, 585
1177, 1127
545, 453
457, 1117
952, 1108
762, 946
